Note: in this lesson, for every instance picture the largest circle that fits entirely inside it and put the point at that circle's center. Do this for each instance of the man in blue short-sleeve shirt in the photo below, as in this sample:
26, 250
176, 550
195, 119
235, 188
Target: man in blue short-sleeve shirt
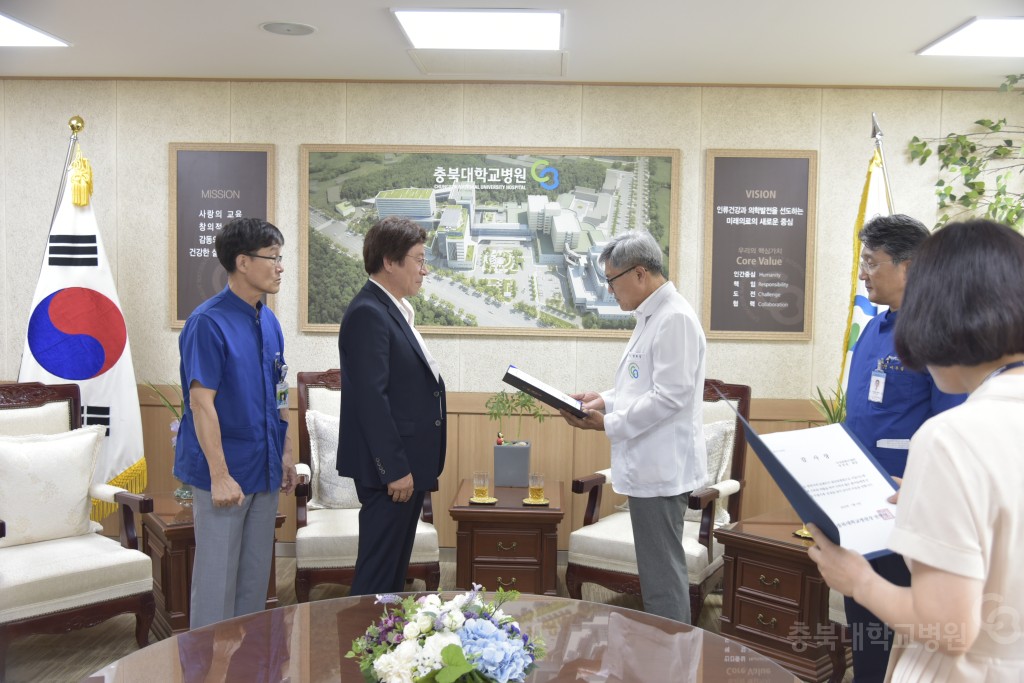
233, 443
885, 404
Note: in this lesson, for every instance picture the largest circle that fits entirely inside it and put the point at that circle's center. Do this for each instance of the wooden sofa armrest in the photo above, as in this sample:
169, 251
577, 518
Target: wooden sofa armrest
592, 485
428, 508
131, 506
303, 492
703, 499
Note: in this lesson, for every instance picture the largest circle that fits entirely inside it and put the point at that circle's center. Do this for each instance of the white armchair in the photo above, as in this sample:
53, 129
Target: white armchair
601, 551
57, 574
327, 509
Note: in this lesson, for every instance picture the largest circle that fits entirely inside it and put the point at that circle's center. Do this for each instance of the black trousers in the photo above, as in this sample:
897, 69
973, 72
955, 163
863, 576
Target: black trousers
872, 639
386, 533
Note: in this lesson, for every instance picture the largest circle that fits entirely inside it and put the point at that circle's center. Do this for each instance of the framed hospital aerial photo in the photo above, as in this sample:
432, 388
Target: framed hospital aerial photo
513, 234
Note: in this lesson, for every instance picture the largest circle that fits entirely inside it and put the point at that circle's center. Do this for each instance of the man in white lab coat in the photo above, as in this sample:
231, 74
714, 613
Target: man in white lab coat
653, 417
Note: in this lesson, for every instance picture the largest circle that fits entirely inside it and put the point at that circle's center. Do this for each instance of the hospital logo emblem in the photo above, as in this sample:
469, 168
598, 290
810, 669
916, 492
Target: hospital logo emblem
634, 370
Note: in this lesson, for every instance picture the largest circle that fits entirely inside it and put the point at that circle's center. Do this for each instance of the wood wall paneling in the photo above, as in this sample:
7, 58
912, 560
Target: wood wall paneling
559, 451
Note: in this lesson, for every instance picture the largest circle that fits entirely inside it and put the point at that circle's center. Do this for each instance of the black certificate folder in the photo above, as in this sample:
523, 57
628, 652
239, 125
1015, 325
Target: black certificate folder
542, 392
832, 482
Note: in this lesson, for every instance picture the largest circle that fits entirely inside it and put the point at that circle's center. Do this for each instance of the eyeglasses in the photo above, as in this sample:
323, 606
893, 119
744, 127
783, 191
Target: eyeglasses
610, 280
421, 262
868, 267
275, 259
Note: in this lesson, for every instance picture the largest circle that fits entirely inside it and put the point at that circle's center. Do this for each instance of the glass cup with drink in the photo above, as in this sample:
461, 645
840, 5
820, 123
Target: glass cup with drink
481, 485
537, 489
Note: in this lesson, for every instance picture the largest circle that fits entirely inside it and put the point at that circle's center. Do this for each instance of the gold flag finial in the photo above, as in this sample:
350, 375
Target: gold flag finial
81, 179
76, 124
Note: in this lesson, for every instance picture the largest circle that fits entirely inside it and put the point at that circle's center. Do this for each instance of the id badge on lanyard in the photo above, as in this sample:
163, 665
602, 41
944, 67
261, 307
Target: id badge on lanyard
876, 389
281, 390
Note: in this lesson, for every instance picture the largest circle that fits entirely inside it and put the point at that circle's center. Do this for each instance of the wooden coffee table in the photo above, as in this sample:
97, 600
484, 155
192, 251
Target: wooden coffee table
168, 536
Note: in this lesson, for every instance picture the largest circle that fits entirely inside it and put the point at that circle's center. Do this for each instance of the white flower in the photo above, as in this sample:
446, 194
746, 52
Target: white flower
425, 621
411, 631
433, 600
499, 614
458, 601
397, 666
430, 655
454, 620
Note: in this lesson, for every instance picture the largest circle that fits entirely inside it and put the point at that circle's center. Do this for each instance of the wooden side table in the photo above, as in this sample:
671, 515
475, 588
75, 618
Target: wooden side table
509, 544
774, 599
168, 537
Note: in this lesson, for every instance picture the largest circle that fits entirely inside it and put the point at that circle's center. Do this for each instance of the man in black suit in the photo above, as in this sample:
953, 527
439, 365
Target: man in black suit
393, 414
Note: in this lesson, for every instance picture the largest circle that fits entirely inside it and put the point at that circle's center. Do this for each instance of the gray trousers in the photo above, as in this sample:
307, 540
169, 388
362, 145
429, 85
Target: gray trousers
660, 560
234, 549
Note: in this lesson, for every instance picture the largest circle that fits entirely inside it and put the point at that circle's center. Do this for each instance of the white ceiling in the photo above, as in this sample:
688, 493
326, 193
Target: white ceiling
756, 42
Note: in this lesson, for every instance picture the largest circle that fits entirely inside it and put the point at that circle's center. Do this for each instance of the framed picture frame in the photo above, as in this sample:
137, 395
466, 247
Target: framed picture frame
210, 184
759, 244
513, 233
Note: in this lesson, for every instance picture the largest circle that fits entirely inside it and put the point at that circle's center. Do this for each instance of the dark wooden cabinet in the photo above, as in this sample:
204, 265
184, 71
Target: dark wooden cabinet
168, 537
509, 544
774, 599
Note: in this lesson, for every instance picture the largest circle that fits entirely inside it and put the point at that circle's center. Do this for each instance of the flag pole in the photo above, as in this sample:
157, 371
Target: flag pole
76, 124
876, 133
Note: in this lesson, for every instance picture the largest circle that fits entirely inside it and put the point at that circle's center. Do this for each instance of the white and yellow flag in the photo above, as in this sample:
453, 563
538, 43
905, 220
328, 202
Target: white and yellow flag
873, 202
77, 334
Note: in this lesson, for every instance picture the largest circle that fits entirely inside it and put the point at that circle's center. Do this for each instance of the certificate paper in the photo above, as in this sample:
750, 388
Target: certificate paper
832, 482
542, 392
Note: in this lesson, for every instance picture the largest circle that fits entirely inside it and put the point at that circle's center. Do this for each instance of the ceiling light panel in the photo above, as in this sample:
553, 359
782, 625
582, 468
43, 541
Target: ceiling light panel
480, 29
981, 37
13, 33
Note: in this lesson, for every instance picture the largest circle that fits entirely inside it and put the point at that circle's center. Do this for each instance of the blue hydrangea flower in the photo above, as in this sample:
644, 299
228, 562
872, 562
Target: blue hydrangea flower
491, 651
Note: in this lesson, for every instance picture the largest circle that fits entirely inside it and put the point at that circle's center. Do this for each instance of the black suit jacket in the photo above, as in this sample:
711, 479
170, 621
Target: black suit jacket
393, 411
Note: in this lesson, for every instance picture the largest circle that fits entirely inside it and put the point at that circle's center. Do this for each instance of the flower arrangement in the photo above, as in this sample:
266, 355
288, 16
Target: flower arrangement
422, 640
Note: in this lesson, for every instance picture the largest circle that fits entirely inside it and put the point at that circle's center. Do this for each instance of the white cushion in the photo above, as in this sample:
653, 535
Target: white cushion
718, 438
608, 544
331, 539
329, 489
44, 484
49, 418
324, 400
50, 576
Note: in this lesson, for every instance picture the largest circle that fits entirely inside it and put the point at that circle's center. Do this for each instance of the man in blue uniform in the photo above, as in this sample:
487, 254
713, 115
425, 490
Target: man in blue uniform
885, 405
233, 441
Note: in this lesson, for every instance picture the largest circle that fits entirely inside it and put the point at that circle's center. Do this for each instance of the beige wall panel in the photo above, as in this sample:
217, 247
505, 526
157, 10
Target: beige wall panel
404, 114
485, 359
130, 123
657, 118
446, 351
289, 115
761, 118
522, 115
36, 138
846, 149
596, 362
151, 114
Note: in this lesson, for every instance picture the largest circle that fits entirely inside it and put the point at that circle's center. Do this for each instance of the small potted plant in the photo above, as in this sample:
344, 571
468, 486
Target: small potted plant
512, 454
